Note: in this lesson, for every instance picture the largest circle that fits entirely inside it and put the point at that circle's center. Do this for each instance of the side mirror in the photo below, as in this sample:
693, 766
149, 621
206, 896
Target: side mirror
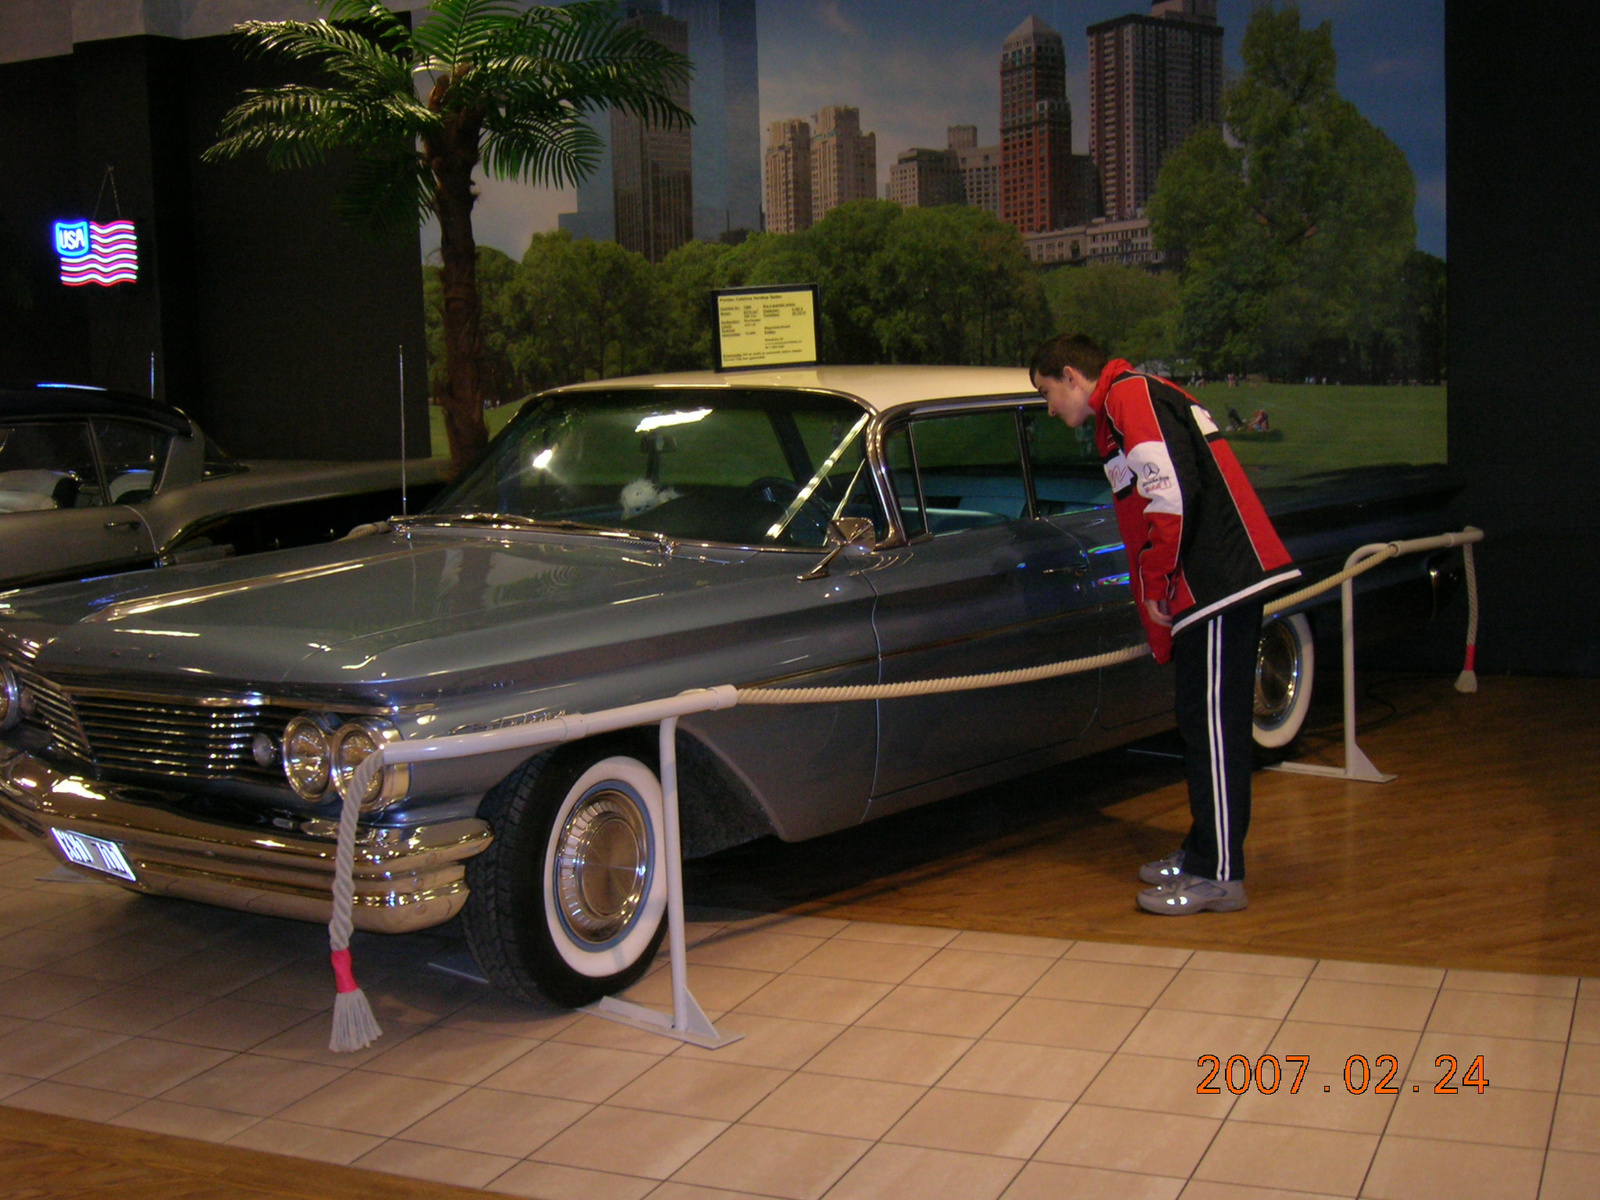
853, 533
844, 533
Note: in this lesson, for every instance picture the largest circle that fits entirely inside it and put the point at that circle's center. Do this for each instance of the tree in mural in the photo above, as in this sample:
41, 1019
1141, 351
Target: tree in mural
1129, 311
944, 284
502, 88
1294, 238
949, 284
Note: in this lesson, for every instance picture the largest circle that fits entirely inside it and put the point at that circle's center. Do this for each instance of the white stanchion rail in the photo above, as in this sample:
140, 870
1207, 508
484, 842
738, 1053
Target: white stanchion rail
688, 1021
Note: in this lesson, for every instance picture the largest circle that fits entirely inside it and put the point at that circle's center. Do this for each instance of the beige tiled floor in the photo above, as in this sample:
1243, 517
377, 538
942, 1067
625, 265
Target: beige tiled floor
878, 1062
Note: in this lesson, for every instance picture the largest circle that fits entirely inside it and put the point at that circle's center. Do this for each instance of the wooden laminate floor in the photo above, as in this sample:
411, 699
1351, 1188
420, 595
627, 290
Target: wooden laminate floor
1481, 854
1478, 857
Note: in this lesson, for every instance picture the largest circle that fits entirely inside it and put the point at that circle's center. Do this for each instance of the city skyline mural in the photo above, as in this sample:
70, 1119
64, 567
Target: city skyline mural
913, 72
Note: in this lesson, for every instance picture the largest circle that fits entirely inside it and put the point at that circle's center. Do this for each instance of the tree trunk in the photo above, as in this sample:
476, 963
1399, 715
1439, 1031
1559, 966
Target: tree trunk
452, 158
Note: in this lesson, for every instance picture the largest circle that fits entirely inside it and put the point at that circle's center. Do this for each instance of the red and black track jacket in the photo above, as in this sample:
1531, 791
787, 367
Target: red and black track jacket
1197, 535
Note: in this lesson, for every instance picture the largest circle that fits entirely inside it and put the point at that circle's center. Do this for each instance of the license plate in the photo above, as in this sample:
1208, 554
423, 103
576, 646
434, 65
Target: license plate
95, 853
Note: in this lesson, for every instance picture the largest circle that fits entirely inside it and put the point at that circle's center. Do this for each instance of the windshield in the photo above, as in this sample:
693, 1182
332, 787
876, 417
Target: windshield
752, 467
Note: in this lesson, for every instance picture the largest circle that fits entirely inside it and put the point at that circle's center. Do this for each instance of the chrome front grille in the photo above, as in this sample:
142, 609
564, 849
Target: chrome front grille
178, 736
173, 736
47, 706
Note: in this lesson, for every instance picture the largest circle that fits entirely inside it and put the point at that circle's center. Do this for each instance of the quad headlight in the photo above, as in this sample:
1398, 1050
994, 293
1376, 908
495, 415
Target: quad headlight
307, 754
319, 752
10, 697
351, 746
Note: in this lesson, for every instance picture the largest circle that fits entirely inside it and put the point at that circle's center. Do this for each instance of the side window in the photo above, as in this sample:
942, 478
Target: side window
903, 479
970, 468
1067, 476
47, 465
132, 456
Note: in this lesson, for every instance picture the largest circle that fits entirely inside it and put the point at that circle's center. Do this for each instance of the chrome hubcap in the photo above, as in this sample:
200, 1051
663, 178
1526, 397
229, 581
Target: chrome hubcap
602, 864
1278, 674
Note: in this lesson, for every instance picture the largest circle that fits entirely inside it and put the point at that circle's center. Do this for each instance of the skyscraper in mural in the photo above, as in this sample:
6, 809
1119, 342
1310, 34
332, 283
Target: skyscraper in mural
844, 161
652, 183
725, 99
979, 166
787, 171
725, 143
1041, 186
1152, 80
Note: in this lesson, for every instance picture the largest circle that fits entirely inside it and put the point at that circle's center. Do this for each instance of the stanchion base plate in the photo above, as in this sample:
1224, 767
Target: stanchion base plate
1357, 776
701, 1032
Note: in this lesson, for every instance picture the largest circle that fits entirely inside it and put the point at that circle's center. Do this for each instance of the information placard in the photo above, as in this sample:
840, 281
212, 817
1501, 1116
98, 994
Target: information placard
766, 326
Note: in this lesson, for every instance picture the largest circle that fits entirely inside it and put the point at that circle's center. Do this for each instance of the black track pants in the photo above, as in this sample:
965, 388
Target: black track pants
1215, 666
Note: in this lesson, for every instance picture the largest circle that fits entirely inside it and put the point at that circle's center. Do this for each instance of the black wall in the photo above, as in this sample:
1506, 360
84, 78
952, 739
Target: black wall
1524, 122
273, 323
38, 131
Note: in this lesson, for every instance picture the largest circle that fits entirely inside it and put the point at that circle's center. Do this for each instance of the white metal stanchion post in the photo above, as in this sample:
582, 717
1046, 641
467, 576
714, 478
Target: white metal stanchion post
689, 1022
1357, 766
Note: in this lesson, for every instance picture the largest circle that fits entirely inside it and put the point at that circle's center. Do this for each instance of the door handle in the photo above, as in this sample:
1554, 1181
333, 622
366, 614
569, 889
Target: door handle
1077, 569
134, 524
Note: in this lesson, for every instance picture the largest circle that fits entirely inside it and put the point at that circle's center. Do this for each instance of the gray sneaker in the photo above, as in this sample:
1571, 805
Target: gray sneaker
1163, 870
1191, 894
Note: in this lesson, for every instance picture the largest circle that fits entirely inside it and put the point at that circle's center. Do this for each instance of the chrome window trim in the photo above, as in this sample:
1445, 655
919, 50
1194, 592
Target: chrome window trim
892, 420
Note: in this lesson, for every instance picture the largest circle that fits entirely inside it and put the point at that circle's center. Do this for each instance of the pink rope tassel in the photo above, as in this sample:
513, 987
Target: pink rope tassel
354, 1026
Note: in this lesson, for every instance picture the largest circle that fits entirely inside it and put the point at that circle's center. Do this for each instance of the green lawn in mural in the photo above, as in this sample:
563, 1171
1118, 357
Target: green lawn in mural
1327, 427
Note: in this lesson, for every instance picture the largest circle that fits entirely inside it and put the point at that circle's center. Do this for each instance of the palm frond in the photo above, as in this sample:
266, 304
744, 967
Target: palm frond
381, 17
555, 150
579, 57
386, 193
457, 31
345, 53
636, 83
296, 125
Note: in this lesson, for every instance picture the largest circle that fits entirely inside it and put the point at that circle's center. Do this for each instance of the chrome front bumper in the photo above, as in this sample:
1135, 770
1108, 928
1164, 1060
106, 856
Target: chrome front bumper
406, 879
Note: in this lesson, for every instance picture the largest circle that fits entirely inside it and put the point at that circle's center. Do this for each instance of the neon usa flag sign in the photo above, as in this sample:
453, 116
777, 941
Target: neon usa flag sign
94, 253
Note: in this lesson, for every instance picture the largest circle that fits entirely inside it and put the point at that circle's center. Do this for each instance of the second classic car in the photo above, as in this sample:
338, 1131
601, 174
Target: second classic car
93, 482
187, 731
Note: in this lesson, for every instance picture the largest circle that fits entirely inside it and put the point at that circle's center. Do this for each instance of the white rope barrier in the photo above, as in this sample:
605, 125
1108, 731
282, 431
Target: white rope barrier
931, 687
354, 1025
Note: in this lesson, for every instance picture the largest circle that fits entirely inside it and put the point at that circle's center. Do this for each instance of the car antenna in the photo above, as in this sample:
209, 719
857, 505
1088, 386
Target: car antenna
404, 512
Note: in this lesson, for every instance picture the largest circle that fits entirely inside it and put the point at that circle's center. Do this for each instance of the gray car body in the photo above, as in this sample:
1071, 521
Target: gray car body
184, 517
455, 626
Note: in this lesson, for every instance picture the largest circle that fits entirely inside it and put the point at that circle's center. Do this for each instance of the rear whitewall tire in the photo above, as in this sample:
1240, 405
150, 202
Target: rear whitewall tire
1285, 671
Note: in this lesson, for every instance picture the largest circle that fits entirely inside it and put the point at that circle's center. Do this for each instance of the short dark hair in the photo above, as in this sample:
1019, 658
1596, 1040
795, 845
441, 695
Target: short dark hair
1068, 350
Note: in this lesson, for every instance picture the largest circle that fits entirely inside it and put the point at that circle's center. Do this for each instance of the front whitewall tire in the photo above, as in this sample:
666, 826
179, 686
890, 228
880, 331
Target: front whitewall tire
604, 886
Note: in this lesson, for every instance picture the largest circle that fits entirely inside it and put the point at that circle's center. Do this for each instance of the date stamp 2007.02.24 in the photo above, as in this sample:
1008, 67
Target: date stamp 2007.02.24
1267, 1074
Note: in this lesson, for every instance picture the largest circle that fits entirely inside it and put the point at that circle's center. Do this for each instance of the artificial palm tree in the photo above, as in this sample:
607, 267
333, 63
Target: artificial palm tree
478, 81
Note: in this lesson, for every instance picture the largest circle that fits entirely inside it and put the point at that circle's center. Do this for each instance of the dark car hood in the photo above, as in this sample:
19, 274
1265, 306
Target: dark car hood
374, 611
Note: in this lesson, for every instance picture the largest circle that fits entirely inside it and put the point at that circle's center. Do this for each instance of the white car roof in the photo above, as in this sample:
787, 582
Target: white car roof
880, 388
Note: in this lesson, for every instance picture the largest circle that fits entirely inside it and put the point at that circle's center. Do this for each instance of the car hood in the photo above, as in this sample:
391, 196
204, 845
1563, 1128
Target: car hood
375, 611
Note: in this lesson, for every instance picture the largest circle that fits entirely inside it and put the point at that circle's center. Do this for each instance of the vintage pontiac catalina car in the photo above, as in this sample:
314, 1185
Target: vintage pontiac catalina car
184, 731
93, 481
